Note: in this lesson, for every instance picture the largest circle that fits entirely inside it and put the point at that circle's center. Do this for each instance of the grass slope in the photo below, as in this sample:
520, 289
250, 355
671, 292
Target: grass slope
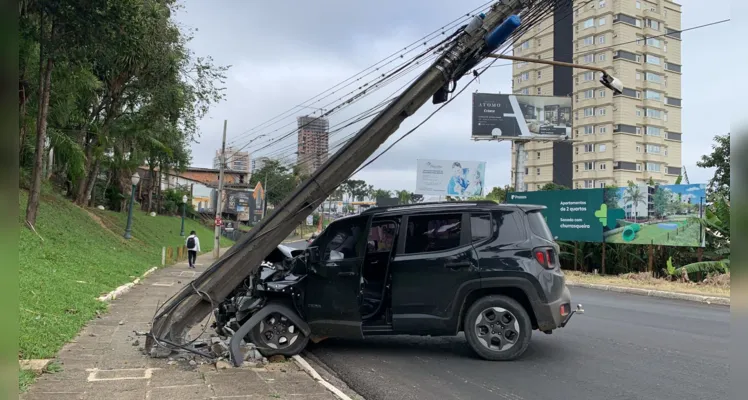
77, 261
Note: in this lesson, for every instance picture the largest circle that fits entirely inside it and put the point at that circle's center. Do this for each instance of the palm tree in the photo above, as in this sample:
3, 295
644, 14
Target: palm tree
403, 196
634, 196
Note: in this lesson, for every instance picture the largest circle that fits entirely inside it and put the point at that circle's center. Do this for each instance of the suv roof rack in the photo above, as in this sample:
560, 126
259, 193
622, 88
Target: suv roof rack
435, 204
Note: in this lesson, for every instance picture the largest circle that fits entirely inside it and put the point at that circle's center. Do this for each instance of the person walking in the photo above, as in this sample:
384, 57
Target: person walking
193, 247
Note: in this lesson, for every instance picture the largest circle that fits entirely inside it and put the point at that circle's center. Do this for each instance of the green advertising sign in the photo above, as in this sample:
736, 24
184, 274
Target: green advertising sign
573, 215
665, 215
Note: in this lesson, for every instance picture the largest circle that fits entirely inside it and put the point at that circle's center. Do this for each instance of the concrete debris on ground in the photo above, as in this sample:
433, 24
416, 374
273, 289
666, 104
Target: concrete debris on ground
107, 359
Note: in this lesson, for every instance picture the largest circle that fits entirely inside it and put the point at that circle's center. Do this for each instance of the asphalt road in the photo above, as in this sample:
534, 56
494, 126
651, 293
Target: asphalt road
623, 347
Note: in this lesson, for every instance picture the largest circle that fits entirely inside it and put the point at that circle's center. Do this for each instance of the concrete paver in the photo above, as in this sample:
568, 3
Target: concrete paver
106, 362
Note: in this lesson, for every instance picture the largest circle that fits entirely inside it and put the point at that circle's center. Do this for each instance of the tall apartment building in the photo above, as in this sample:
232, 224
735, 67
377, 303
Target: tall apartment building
635, 136
313, 136
236, 160
258, 163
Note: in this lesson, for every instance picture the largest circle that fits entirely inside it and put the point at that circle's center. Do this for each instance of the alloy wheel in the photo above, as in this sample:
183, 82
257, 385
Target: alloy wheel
497, 329
278, 332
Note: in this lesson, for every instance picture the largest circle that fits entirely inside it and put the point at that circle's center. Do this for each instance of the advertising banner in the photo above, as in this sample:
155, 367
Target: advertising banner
665, 215
450, 178
497, 116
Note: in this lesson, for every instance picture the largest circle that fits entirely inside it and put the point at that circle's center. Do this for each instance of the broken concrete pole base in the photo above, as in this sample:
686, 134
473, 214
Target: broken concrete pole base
160, 352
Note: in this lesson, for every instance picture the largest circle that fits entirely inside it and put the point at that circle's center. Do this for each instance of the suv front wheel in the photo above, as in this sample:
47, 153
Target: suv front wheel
498, 328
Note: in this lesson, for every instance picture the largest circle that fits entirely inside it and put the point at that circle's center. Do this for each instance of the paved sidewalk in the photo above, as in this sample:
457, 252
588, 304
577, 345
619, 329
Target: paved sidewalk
106, 360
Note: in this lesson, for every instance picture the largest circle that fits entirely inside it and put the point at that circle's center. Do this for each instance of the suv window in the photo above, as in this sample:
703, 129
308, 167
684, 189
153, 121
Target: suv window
511, 229
538, 225
481, 226
427, 233
381, 237
343, 239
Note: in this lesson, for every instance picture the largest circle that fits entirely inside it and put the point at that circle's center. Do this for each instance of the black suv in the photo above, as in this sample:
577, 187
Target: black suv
489, 270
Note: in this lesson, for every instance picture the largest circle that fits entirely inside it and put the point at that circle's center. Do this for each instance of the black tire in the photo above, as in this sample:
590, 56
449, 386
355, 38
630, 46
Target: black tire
258, 336
496, 344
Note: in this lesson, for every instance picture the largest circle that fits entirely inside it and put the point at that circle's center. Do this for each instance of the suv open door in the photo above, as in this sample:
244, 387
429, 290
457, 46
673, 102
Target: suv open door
331, 296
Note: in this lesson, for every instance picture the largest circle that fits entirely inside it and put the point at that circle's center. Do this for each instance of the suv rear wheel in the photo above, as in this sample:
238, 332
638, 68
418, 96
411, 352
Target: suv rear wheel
498, 328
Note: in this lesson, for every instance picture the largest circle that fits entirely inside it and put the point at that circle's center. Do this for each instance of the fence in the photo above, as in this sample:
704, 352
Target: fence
173, 254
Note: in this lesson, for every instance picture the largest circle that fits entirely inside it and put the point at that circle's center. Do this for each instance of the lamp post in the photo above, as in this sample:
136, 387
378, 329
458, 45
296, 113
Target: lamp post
128, 231
184, 210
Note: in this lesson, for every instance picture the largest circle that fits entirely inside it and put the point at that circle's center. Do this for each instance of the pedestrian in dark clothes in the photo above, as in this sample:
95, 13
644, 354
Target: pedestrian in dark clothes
193, 247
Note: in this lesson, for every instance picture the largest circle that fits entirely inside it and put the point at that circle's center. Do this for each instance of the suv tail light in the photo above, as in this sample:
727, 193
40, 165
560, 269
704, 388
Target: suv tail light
545, 256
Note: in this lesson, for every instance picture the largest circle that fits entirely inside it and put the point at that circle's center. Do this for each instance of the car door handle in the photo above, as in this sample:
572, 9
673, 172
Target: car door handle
457, 265
349, 273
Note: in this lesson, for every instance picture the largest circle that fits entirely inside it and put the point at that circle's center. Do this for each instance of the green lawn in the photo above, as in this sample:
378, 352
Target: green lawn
687, 234
78, 260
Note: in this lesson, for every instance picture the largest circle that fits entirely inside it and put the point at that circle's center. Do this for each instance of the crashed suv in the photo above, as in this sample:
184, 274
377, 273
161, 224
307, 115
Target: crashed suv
485, 269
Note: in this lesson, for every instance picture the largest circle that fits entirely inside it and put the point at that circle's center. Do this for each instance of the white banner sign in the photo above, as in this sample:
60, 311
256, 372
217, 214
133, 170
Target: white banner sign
450, 178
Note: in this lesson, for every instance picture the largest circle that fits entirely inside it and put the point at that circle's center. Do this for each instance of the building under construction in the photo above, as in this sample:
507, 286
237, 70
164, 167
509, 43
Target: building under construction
312, 142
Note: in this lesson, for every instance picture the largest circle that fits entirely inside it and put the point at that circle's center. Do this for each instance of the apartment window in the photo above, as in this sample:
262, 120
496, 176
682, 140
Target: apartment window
654, 131
588, 23
601, 184
653, 24
638, 167
638, 23
638, 5
538, 155
525, 91
537, 42
638, 149
525, 45
638, 130
521, 64
527, 171
652, 113
601, 21
638, 112
653, 167
537, 171
589, 184
601, 93
654, 42
588, 59
588, 76
589, 111
601, 111
602, 129
602, 166
653, 95
589, 94
589, 40
576, 167
589, 148
601, 148
651, 77
653, 148
664, 151
524, 76
601, 57
650, 59
540, 73
638, 76
540, 91
576, 150
601, 3
601, 39
589, 166
589, 130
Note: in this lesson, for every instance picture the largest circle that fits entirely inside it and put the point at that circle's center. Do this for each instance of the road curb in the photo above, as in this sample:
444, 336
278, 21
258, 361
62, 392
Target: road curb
125, 288
316, 376
655, 293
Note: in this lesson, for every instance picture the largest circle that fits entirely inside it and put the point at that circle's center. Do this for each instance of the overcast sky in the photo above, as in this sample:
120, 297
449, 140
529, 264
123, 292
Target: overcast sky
285, 52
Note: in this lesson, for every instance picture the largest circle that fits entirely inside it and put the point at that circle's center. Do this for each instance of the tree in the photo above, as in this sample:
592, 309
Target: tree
380, 193
404, 196
498, 194
719, 159
633, 195
661, 200
553, 186
280, 180
611, 196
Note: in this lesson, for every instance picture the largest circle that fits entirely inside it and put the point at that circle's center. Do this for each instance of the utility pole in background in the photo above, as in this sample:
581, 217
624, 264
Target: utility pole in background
219, 200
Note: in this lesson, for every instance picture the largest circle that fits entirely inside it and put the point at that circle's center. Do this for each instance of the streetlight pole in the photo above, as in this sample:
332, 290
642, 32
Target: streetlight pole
134, 179
184, 211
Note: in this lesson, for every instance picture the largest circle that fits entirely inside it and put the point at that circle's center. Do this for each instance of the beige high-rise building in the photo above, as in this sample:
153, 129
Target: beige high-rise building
634, 136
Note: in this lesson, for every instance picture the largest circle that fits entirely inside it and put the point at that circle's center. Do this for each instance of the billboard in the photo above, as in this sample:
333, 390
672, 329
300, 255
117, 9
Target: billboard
450, 178
665, 215
507, 116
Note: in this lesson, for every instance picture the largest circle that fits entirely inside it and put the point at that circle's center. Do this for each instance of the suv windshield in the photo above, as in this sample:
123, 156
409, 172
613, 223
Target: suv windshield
538, 225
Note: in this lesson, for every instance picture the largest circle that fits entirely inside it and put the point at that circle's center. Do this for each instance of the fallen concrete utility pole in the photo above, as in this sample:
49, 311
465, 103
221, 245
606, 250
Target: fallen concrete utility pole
196, 300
